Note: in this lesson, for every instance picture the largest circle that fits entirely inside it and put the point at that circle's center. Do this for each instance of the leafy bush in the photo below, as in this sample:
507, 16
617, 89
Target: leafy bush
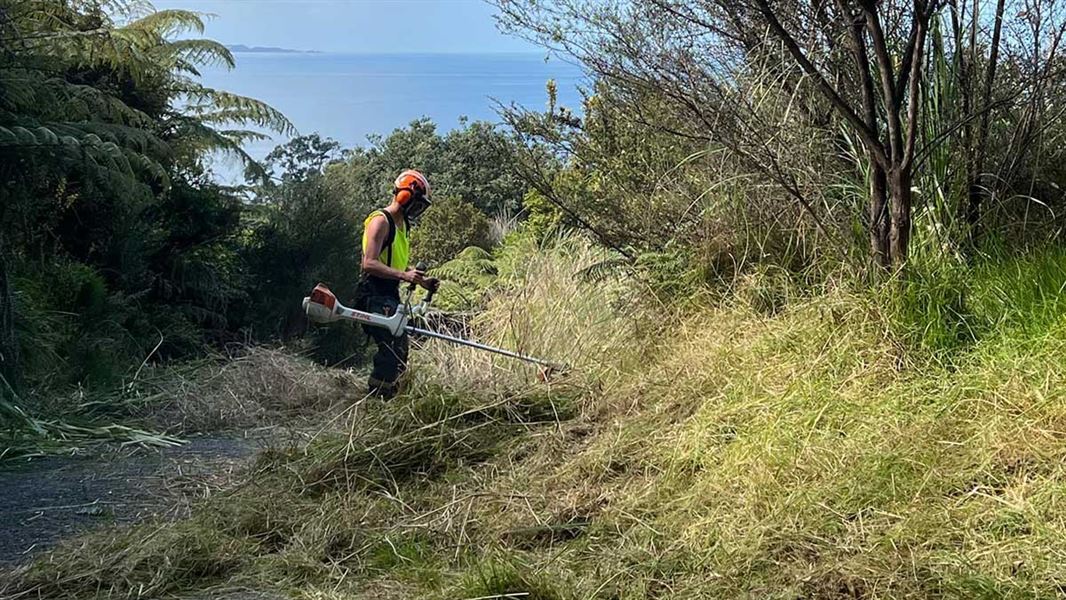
542, 218
446, 229
305, 234
116, 245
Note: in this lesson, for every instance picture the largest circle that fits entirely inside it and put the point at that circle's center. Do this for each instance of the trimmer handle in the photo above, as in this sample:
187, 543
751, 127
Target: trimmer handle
421, 266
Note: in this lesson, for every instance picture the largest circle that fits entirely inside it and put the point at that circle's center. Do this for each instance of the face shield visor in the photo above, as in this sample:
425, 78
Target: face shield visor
414, 209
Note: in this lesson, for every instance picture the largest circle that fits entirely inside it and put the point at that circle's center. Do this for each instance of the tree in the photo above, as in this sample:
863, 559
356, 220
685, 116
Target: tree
302, 232
366, 175
103, 126
1004, 63
478, 166
612, 175
717, 62
302, 157
474, 163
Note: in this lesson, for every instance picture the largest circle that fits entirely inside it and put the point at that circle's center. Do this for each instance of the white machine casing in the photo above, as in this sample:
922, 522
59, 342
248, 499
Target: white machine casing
322, 306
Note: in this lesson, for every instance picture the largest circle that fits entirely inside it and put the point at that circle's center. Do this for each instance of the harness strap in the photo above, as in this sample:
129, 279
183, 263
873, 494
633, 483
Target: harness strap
390, 238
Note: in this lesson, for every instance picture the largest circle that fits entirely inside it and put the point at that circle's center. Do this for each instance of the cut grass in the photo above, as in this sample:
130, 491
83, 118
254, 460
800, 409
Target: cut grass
808, 454
258, 387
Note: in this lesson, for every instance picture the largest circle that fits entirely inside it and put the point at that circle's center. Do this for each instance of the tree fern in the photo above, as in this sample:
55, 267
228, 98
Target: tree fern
214, 106
53, 110
100, 106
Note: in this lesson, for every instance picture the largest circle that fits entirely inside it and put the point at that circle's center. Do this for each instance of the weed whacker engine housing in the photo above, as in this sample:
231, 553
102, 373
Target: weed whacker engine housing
322, 306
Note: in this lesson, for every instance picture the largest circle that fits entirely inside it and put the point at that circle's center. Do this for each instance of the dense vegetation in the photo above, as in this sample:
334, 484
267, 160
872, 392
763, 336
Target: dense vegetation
117, 248
804, 260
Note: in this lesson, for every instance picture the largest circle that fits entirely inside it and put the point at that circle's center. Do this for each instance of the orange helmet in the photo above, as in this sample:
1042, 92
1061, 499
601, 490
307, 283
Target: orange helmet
411, 185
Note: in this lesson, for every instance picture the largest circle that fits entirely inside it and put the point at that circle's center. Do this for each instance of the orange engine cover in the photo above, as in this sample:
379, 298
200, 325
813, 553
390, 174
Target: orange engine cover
322, 295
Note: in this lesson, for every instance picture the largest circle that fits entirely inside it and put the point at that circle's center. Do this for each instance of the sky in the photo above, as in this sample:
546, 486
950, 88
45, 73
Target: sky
364, 26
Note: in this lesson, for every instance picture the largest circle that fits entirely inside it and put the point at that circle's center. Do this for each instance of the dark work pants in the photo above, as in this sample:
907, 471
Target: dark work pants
390, 361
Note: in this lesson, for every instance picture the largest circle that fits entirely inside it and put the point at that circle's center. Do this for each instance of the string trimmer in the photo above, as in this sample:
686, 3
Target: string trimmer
322, 306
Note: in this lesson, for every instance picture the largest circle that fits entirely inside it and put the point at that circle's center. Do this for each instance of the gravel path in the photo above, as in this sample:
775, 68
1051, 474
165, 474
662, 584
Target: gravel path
47, 499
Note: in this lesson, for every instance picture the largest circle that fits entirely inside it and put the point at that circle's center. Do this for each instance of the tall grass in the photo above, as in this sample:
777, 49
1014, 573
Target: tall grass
942, 308
540, 305
839, 445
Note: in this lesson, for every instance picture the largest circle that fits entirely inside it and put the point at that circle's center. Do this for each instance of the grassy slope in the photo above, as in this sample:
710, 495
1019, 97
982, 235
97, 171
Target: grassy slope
734, 454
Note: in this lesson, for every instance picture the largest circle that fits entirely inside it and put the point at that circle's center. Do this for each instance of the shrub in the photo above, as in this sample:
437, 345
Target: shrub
447, 228
306, 235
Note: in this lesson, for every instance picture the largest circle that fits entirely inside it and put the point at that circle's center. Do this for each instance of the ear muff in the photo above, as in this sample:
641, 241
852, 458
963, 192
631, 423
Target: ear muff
407, 194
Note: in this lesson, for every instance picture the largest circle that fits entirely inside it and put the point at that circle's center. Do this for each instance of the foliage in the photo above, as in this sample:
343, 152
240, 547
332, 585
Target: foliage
795, 434
478, 167
302, 157
472, 163
834, 124
725, 451
542, 218
465, 278
303, 233
117, 248
942, 312
451, 226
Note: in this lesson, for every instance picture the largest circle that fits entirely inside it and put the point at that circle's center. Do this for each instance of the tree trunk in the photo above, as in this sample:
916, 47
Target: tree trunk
9, 355
899, 185
879, 221
977, 187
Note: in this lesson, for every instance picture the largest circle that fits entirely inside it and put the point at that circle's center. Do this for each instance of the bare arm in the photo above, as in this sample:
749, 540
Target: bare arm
377, 233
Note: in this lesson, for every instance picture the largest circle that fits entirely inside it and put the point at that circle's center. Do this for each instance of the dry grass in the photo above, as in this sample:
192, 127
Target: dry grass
259, 387
729, 455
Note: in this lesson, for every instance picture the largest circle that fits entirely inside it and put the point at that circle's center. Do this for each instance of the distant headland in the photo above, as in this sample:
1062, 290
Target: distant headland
268, 49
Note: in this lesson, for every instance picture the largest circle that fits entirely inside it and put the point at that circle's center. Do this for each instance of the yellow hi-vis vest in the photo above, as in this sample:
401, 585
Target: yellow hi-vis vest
397, 248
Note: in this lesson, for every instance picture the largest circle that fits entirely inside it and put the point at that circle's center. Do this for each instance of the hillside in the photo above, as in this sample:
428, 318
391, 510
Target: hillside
718, 452
804, 262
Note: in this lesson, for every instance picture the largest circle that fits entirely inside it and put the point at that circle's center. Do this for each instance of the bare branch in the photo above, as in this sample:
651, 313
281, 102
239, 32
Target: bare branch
868, 137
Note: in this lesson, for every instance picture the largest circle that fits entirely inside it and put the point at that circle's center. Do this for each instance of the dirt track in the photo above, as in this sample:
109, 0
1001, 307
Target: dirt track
47, 499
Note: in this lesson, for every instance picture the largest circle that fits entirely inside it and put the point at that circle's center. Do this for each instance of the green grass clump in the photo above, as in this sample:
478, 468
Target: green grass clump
507, 580
421, 435
942, 309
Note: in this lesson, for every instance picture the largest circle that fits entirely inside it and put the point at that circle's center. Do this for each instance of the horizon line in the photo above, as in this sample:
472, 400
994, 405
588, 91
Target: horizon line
280, 50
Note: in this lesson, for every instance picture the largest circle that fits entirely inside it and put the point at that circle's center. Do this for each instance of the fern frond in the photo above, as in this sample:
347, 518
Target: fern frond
138, 140
28, 92
605, 269
203, 138
211, 105
86, 127
167, 23
68, 145
122, 50
16, 136
242, 136
191, 53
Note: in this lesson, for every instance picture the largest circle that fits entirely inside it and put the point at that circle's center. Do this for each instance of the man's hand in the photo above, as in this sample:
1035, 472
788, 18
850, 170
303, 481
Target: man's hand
415, 276
431, 283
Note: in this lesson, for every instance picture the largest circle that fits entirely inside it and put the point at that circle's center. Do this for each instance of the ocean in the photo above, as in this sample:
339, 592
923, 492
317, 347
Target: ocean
350, 96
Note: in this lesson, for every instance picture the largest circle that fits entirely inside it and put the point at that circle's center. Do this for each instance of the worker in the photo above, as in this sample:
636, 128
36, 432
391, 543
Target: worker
386, 250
